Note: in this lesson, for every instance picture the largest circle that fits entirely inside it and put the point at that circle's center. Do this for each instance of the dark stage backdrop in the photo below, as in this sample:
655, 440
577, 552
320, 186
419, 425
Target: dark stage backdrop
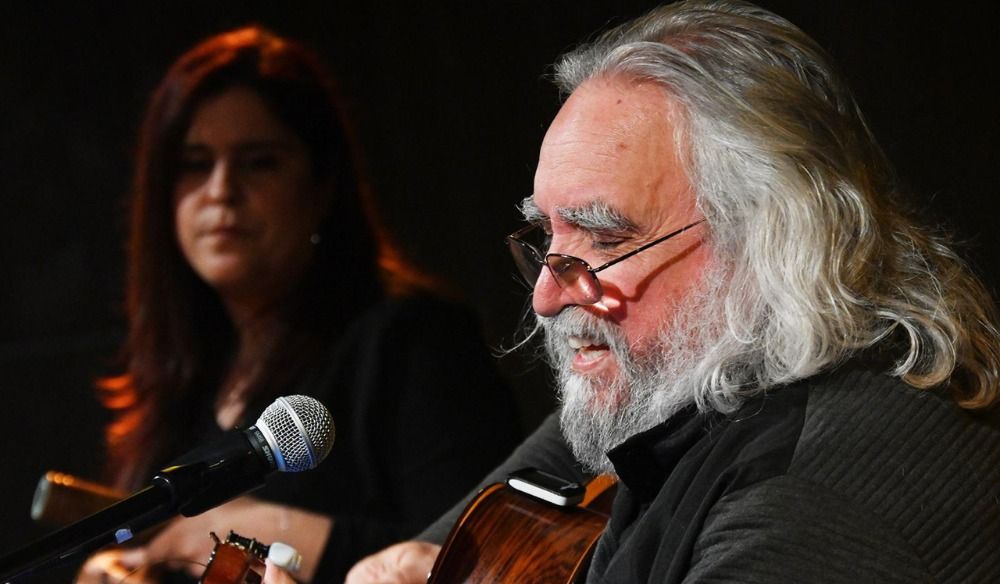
452, 103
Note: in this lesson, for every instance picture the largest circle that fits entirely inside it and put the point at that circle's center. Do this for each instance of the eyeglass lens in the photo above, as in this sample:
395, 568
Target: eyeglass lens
570, 273
527, 260
573, 275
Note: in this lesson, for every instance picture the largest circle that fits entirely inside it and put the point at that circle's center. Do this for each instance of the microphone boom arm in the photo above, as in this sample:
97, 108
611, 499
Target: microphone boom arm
293, 434
115, 524
185, 489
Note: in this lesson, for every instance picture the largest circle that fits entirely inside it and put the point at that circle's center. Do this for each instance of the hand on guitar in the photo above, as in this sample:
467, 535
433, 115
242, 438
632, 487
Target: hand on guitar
275, 575
110, 567
186, 544
552, 542
404, 563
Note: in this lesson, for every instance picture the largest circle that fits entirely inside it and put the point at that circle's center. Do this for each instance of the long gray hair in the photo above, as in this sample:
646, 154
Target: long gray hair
802, 205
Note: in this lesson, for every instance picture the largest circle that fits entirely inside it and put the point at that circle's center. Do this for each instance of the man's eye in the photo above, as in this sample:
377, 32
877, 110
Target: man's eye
607, 242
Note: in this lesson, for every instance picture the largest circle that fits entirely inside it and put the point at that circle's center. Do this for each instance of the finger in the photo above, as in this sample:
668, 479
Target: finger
403, 563
97, 568
275, 575
133, 558
374, 570
116, 574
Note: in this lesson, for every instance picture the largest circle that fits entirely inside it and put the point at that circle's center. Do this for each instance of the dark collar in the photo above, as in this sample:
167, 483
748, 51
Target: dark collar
644, 461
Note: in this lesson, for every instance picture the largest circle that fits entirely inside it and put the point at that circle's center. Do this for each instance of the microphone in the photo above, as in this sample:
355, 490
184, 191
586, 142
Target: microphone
295, 433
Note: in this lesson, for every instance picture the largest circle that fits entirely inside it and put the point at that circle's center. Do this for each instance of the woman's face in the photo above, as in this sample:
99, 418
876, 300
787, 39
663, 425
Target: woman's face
246, 201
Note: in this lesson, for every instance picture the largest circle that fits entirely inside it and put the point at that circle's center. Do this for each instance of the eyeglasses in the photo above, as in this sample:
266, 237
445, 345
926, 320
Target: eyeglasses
571, 273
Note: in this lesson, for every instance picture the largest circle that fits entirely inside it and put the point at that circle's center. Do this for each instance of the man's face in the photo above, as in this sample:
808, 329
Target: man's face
611, 152
609, 180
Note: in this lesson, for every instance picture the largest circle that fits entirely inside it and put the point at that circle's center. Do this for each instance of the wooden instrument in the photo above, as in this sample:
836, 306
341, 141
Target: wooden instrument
237, 560
505, 536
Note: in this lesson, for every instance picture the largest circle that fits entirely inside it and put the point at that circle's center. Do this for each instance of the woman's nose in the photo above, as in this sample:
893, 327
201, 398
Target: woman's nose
222, 183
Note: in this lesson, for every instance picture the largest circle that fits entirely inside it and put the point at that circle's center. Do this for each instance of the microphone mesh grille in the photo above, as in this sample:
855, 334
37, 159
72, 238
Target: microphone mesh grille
303, 430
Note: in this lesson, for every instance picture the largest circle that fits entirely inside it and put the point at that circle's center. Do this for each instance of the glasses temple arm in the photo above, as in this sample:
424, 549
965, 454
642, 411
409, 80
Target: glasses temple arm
645, 247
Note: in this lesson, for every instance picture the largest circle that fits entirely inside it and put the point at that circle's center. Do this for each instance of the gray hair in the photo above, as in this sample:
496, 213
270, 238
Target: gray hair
802, 206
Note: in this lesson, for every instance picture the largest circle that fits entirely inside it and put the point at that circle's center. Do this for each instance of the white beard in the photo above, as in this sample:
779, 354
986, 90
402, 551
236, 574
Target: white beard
655, 379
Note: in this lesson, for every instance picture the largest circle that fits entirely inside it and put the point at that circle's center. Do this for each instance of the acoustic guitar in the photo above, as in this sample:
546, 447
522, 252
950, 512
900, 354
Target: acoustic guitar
505, 536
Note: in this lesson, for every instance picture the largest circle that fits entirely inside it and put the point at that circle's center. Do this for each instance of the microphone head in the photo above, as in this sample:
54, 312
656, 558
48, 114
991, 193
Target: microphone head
299, 431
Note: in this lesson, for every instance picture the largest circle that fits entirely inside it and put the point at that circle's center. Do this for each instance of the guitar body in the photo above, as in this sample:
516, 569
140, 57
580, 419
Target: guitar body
505, 536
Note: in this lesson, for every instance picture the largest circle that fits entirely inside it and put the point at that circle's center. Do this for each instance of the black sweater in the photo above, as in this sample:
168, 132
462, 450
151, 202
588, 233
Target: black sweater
421, 414
847, 477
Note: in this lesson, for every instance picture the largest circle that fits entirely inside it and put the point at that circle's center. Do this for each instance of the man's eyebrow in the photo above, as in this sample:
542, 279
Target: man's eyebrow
531, 212
597, 216
594, 216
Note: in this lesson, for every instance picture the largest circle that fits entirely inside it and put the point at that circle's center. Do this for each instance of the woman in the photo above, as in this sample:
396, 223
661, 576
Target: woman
255, 271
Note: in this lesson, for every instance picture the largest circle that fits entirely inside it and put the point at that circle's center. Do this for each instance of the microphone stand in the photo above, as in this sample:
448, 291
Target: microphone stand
117, 523
171, 493
205, 477
187, 489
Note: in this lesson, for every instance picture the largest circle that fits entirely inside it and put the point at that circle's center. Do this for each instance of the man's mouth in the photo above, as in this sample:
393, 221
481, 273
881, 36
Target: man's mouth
590, 353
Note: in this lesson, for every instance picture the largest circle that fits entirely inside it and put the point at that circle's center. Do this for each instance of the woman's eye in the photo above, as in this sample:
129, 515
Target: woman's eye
261, 162
195, 165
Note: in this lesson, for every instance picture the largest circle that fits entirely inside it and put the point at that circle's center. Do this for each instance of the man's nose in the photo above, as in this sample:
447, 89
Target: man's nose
548, 297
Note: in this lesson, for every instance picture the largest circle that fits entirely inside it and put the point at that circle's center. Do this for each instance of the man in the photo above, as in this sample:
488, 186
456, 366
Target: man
792, 381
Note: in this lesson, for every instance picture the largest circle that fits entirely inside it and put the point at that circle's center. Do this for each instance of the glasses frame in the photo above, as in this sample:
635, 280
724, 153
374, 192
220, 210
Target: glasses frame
543, 259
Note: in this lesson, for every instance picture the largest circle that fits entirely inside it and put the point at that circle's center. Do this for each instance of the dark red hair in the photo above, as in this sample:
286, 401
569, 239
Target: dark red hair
180, 340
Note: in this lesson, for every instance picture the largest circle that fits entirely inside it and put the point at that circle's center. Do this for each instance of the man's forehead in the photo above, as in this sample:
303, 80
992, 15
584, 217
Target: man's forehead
610, 159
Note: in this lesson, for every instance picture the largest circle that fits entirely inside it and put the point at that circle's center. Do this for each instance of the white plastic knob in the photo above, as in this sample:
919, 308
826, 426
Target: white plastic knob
284, 556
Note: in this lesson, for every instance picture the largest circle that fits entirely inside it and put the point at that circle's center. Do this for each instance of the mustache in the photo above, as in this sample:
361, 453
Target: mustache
575, 321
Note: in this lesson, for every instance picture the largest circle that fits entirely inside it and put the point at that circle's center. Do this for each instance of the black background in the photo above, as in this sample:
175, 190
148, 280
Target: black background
452, 103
